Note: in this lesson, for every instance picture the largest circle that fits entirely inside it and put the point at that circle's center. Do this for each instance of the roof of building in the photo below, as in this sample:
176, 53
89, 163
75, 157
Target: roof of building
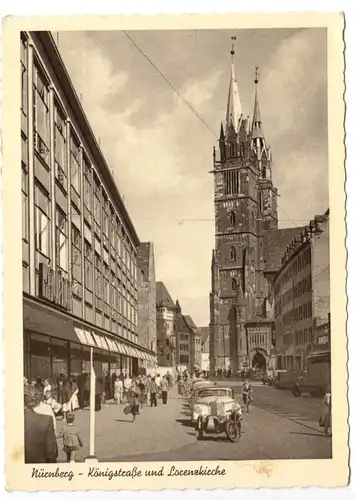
274, 245
49, 45
204, 331
162, 296
189, 320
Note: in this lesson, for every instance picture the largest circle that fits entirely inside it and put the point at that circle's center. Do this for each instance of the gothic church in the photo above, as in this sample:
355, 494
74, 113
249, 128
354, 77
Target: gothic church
248, 243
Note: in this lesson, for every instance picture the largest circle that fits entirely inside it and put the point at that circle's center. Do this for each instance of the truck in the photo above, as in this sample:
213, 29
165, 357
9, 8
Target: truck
317, 376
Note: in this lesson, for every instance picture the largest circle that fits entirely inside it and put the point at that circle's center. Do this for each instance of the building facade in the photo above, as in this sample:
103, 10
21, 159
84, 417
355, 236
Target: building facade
246, 232
79, 246
147, 327
188, 341
166, 327
302, 295
205, 346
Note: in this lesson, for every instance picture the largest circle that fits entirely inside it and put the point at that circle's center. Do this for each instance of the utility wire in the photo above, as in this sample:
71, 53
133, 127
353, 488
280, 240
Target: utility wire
185, 101
170, 84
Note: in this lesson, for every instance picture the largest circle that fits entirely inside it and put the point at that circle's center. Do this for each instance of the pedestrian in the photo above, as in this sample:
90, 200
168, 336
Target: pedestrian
45, 409
133, 400
99, 389
164, 389
73, 400
72, 440
326, 417
127, 385
118, 390
113, 379
64, 397
142, 391
152, 387
108, 391
40, 437
247, 395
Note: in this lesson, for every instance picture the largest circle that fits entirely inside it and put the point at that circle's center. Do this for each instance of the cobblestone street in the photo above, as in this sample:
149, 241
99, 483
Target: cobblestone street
278, 427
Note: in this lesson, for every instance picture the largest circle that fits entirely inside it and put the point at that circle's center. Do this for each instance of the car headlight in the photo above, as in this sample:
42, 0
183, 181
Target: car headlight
197, 409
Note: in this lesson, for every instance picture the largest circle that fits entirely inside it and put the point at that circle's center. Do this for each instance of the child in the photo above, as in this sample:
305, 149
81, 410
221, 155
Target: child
71, 438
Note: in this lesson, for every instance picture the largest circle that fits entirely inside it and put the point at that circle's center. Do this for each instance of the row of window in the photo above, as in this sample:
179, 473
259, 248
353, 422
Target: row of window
184, 347
303, 260
184, 359
304, 337
184, 336
299, 313
109, 251
257, 339
303, 286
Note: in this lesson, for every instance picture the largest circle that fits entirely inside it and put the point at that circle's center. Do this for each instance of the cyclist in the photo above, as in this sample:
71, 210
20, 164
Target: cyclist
247, 395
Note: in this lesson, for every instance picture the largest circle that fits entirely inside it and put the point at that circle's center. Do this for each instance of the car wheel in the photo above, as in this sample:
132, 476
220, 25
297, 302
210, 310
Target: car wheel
231, 430
199, 429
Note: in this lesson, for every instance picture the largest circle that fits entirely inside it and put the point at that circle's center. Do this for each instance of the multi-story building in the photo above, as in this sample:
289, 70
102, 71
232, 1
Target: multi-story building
166, 327
79, 246
205, 346
147, 328
302, 295
248, 242
188, 341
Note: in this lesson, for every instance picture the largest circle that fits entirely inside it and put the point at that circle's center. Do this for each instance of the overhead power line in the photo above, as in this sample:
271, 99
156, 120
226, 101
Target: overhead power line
190, 107
170, 84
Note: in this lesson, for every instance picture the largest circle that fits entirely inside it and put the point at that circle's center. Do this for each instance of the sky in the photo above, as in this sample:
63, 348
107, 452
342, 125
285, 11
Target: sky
160, 152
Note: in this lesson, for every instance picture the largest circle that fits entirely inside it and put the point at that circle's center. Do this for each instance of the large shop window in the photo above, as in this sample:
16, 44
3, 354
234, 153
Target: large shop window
41, 127
75, 359
61, 240
40, 357
59, 353
42, 221
77, 262
75, 164
60, 147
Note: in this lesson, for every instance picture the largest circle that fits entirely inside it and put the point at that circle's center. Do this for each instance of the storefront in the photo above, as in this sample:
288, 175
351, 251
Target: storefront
55, 344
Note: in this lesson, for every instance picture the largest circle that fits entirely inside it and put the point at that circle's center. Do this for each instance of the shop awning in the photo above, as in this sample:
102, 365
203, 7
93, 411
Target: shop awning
85, 337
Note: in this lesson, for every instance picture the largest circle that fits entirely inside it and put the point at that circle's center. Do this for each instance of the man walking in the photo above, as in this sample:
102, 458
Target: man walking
164, 389
152, 387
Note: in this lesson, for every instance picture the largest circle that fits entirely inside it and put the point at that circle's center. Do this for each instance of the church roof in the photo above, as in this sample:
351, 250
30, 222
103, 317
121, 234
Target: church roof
163, 298
274, 245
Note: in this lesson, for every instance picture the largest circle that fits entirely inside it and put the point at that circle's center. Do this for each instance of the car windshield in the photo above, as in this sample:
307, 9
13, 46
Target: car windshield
214, 392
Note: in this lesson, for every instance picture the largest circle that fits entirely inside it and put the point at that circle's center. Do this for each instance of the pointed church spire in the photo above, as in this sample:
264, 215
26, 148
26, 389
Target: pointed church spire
257, 131
234, 110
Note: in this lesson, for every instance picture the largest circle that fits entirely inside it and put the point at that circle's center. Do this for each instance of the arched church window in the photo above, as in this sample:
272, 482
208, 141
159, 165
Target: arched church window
260, 201
234, 284
232, 218
253, 220
233, 253
264, 171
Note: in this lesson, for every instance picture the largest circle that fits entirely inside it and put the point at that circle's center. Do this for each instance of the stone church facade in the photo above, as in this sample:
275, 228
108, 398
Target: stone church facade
248, 243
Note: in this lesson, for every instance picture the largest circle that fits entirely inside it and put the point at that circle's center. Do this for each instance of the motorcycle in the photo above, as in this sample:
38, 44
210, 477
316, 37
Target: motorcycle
220, 421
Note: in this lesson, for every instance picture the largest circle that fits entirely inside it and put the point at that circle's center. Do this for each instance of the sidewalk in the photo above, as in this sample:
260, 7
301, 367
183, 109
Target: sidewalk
156, 430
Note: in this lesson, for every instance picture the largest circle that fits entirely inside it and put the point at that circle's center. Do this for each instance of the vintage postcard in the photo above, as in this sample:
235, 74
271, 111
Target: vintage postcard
174, 252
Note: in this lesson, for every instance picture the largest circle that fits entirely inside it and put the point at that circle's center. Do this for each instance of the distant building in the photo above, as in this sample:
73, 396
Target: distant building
188, 342
302, 295
166, 328
205, 346
147, 329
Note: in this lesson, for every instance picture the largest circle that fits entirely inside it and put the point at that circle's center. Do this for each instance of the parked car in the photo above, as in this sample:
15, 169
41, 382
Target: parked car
216, 411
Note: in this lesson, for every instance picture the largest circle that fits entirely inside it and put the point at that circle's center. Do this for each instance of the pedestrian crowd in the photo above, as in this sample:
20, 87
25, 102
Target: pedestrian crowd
44, 402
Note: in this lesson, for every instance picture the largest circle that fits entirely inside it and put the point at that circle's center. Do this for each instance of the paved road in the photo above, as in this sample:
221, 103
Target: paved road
278, 427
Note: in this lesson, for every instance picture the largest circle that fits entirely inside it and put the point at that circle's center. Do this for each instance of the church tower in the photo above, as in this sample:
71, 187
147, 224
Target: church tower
245, 205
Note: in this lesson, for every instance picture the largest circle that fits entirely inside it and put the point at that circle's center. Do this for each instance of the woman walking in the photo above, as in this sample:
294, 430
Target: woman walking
152, 387
326, 417
133, 400
142, 391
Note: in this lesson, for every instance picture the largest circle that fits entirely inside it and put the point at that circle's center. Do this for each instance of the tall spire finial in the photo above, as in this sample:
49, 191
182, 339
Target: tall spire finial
257, 75
232, 51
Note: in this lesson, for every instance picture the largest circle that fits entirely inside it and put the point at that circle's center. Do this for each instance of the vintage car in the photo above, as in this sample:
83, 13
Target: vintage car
216, 411
198, 390
195, 385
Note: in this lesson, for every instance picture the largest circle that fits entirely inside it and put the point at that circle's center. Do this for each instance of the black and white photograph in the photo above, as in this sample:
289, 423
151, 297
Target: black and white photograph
175, 250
